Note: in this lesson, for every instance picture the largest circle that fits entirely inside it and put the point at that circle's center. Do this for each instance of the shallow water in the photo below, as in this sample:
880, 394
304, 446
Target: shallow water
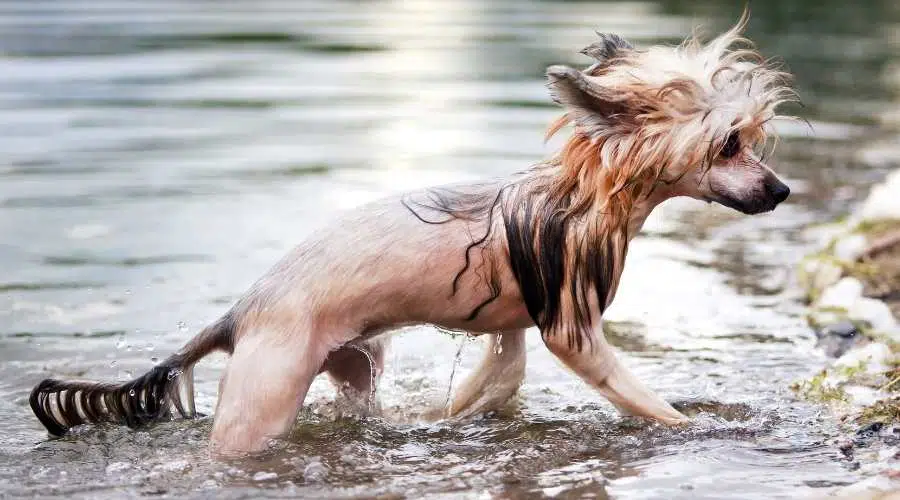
158, 157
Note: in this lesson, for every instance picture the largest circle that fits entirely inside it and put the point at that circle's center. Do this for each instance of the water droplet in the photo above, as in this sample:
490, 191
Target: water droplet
112, 363
154, 359
456, 361
131, 393
120, 343
129, 373
498, 346
127, 291
182, 326
150, 347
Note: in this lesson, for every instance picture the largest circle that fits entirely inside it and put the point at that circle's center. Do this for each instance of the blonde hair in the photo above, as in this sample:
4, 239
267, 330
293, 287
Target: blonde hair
673, 109
640, 117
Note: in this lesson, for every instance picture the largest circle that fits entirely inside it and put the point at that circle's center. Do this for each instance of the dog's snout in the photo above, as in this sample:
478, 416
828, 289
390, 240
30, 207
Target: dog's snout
779, 191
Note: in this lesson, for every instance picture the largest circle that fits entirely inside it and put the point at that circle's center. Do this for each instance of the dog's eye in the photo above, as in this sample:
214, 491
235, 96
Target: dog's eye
732, 146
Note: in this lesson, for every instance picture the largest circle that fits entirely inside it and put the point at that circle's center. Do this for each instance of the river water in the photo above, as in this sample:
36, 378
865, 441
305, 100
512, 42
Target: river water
159, 156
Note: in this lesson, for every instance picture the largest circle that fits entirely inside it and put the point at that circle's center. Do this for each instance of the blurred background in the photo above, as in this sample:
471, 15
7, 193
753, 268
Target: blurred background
157, 157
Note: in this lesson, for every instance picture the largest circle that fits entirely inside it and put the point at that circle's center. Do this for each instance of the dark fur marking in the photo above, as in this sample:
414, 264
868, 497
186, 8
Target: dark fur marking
540, 233
539, 238
469, 206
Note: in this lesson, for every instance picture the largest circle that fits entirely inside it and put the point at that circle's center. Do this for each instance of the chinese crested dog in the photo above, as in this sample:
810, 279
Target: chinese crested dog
543, 248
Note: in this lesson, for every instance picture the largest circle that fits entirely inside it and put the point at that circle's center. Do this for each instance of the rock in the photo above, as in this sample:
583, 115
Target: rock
843, 300
315, 472
875, 355
870, 430
842, 294
173, 466
822, 235
861, 395
892, 437
850, 247
845, 445
264, 476
820, 318
844, 329
817, 274
883, 202
876, 313
837, 338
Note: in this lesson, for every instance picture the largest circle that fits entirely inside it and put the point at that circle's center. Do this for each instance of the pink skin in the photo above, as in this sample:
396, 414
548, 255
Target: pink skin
400, 270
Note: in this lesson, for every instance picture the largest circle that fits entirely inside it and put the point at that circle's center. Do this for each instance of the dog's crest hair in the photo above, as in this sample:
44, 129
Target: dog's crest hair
641, 117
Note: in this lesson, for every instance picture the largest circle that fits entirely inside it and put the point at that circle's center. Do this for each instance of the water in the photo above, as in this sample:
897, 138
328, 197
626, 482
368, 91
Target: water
158, 156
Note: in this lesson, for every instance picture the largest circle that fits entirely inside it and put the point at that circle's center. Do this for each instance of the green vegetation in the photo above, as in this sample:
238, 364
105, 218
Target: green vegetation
815, 389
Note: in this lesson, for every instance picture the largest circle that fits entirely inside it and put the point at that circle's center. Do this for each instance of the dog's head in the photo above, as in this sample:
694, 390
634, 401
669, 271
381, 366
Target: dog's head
683, 121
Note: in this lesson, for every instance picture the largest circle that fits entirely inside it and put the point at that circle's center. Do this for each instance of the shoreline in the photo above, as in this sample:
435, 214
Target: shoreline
852, 287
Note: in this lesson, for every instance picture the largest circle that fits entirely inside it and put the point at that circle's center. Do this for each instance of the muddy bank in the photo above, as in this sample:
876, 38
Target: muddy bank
853, 287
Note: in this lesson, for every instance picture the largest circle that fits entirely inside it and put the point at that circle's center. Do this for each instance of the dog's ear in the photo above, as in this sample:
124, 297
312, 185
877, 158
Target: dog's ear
585, 101
608, 47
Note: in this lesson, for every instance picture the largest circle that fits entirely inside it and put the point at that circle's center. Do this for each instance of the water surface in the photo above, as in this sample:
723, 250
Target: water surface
157, 157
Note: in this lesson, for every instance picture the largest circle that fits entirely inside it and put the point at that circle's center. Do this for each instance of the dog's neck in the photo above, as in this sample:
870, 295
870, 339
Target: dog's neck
642, 209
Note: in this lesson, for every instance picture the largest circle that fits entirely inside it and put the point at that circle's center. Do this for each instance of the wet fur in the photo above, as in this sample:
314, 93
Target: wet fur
168, 387
546, 247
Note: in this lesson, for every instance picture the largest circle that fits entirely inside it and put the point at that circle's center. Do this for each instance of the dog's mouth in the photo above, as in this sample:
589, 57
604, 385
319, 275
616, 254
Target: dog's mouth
751, 207
748, 207
774, 195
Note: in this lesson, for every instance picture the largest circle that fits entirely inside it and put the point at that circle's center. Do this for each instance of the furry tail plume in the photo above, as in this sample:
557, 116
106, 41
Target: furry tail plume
167, 388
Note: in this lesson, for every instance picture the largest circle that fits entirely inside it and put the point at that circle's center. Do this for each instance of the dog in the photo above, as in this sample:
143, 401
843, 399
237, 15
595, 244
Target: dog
545, 247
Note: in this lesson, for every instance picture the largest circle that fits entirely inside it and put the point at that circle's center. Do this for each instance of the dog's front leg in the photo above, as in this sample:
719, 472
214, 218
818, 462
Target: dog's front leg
496, 379
596, 363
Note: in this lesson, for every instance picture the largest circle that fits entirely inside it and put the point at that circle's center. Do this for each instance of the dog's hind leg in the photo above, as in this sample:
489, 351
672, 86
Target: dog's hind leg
263, 389
596, 363
355, 368
496, 379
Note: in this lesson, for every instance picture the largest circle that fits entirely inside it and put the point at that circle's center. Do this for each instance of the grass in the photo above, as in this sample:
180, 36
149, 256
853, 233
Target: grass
815, 389
885, 411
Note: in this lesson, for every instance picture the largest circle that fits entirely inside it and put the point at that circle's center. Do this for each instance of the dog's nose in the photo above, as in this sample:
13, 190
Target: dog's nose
780, 192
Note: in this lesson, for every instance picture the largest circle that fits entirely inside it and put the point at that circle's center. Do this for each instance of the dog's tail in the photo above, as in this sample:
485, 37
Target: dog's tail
169, 386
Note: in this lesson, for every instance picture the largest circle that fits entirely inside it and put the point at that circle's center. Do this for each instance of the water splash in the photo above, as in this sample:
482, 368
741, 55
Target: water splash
373, 375
456, 361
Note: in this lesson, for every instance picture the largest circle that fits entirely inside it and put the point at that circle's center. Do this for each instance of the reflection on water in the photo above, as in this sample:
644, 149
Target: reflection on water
159, 156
